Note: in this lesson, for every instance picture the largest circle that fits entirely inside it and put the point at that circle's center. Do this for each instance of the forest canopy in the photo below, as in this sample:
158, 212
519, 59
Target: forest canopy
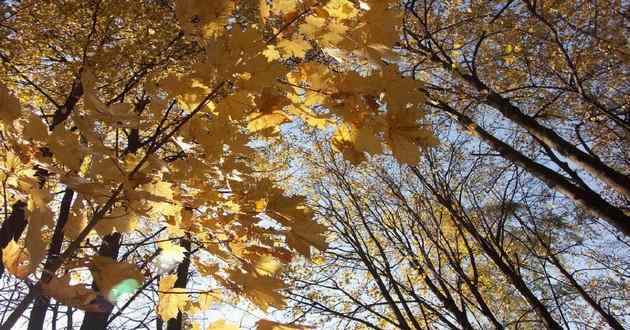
294, 164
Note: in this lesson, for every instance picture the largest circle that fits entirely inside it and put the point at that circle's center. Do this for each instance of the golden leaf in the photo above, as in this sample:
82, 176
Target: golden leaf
342, 9
294, 47
222, 325
34, 129
267, 265
120, 220
284, 6
78, 296
39, 215
271, 53
109, 274
261, 290
271, 325
16, 260
312, 25
9, 105
172, 300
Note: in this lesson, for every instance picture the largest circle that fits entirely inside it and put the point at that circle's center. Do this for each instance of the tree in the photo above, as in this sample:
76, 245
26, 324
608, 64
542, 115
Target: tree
139, 153
483, 59
450, 244
138, 120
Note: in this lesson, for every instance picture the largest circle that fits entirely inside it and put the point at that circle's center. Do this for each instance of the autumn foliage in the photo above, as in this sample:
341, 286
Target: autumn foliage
137, 137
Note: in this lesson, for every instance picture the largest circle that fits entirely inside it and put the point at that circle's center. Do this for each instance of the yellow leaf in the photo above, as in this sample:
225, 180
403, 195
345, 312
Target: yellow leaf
271, 53
261, 121
344, 141
77, 220
404, 149
366, 140
305, 234
318, 260
294, 47
78, 296
206, 299
206, 269
386, 32
66, 148
9, 105
312, 25
159, 195
336, 33
342, 9
222, 325
172, 300
109, 275
405, 136
170, 256
271, 325
34, 129
261, 290
260, 204
267, 265
16, 260
39, 215
203, 17
119, 220
284, 6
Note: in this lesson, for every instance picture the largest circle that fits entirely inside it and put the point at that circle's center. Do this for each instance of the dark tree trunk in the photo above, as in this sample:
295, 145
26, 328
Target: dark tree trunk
109, 248
38, 313
12, 228
587, 199
181, 282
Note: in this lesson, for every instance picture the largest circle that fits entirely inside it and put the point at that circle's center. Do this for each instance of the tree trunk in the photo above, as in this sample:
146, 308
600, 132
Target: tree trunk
616, 180
109, 248
181, 282
496, 256
12, 228
38, 313
589, 200
611, 320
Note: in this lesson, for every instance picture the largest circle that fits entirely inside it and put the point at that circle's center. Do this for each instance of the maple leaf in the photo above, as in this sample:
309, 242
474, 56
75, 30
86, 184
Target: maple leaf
222, 325
33, 128
204, 17
261, 290
306, 234
271, 53
284, 6
342, 9
271, 325
269, 115
9, 105
66, 147
405, 136
16, 260
312, 25
77, 220
120, 220
39, 215
172, 300
344, 140
170, 256
78, 296
115, 279
293, 47
266, 265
